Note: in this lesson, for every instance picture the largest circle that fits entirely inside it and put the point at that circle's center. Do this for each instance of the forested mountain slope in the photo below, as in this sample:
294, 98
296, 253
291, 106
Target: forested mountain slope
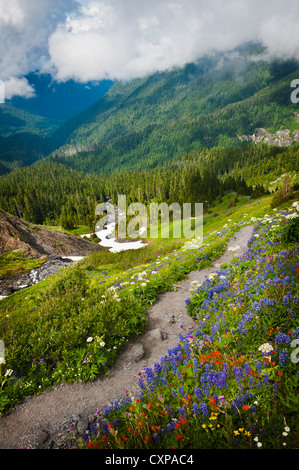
148, 121
145, 122
27, 124
52, 193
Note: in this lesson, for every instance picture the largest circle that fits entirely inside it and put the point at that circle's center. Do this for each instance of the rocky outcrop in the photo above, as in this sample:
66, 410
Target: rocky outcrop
16, 282
36, 240
282, 138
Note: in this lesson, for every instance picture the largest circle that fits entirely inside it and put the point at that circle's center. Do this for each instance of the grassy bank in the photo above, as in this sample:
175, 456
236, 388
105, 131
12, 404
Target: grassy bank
46, 327
232, 383
17, 262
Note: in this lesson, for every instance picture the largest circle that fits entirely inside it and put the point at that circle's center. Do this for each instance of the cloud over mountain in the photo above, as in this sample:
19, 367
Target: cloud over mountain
123, 39
25, 28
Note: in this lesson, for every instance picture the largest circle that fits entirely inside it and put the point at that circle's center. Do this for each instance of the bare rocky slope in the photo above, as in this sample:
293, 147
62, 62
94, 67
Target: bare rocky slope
38, 242
282, 138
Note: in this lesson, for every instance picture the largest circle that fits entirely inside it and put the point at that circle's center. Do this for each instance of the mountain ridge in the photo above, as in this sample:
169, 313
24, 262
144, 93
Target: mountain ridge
151, 120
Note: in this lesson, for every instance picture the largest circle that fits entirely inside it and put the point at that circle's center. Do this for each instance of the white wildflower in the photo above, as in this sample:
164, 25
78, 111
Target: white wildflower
8, 373
89, 340
212, 275
292, 216
266, 348
234, 248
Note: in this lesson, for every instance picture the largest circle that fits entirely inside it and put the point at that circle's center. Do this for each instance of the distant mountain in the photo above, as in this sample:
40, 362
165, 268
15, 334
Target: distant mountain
60, 101
26, 125
217, 102
145, 122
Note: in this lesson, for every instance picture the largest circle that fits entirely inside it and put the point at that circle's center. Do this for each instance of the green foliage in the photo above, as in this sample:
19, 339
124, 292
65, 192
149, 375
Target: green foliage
283, 194
16, 262
47, 328
53, 194
75, 328
75, 284
150, 121
231, 384
291, 232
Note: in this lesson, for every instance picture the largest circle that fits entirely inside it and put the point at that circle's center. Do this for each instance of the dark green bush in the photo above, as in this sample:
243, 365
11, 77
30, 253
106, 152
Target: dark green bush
291, 232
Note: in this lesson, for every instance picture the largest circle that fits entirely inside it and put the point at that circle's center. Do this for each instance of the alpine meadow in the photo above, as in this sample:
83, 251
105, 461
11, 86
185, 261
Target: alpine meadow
159, 346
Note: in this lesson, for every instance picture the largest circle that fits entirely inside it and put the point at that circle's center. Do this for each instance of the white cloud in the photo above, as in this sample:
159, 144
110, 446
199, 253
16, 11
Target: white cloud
25, 26
18, 87
123, 39
126, 39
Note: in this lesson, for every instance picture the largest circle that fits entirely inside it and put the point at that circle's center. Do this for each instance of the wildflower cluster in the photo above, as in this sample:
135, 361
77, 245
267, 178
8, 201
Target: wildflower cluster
231, 383
83, 304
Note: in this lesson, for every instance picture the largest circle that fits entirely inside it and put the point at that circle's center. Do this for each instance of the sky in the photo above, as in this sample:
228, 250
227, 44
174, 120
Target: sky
88, 40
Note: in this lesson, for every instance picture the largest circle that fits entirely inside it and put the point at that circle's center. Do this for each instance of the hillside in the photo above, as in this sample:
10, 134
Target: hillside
25, 247
220, 101
146, 122
52, 193
35, 240
27, 124
79, 323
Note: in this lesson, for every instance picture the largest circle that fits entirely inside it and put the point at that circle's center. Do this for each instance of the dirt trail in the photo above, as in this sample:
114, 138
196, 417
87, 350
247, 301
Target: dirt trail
42, 422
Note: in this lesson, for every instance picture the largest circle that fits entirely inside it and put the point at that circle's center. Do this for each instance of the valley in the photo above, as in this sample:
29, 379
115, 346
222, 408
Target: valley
153, 343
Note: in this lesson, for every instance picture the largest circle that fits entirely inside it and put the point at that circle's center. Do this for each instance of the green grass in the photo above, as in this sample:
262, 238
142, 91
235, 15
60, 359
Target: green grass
80, 230
45, 327
232, 383
16, 262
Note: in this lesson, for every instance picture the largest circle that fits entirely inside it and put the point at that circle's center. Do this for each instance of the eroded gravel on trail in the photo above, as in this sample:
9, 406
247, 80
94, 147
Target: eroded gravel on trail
43, 421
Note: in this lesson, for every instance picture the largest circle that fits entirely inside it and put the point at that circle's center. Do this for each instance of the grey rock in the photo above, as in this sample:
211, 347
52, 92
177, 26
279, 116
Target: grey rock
42, 437
156, 334
137, 352
92, 418
82, 425
76, 418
